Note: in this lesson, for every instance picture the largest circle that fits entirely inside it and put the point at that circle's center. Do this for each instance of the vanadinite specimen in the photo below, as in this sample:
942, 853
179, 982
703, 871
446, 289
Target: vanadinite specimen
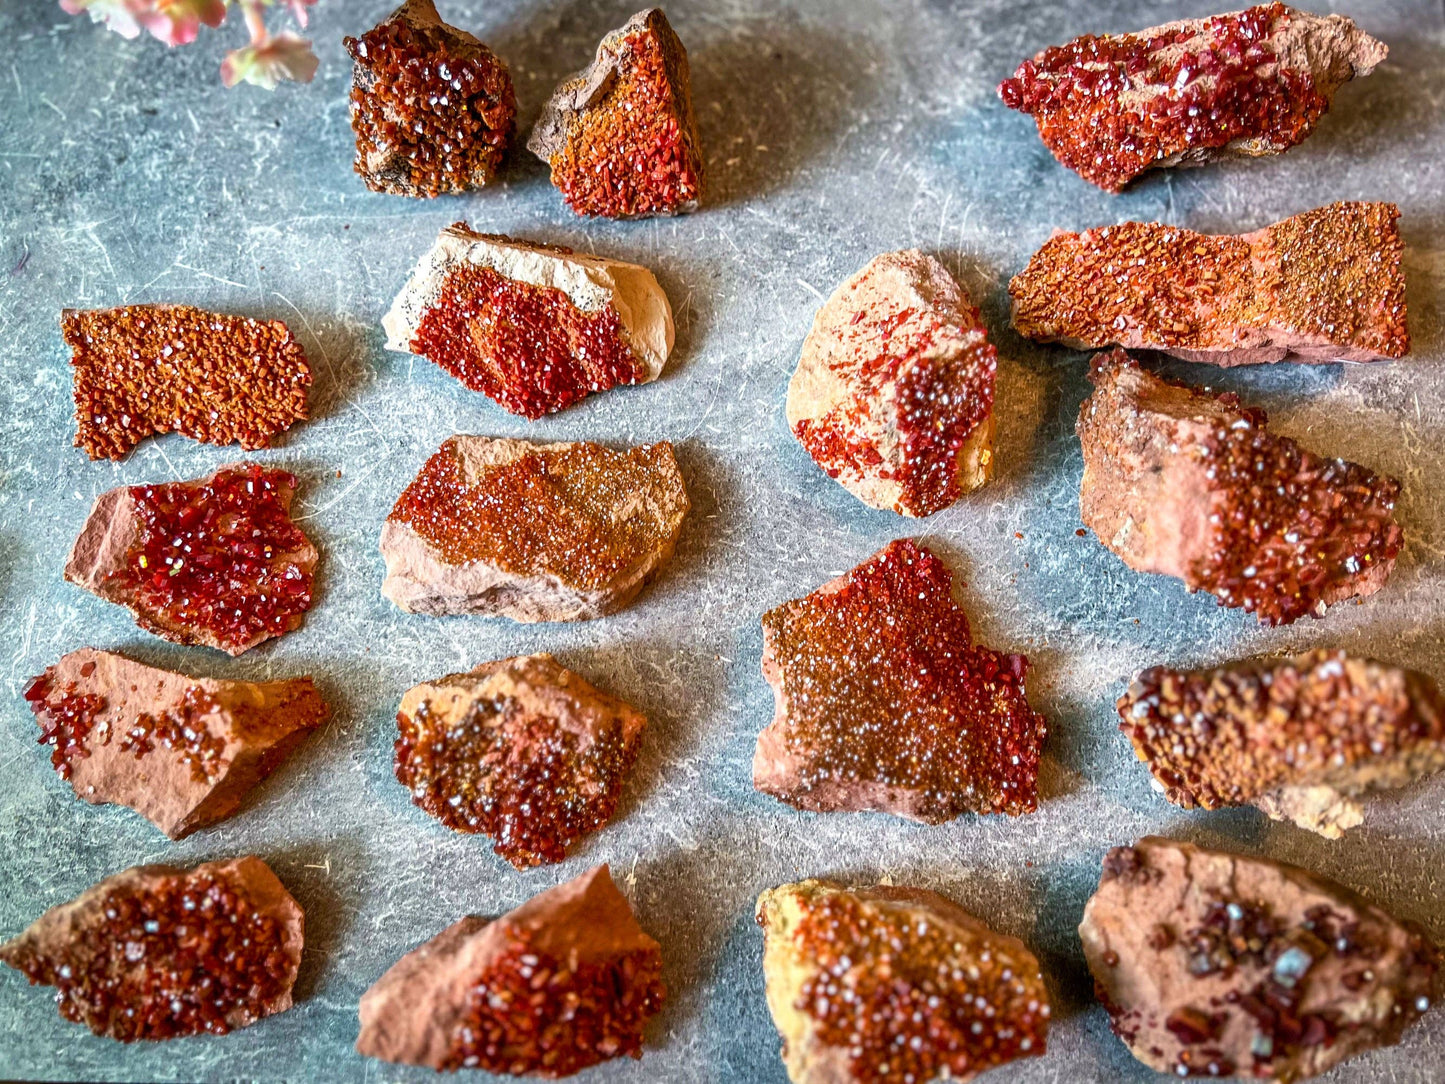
181, 751
533, 327
1249, 83
432, 107
158, 952
1325, 285
522, 749
146, 369
215, 561
565, 981
885, 703
620, 135
1298, 737
534, 532
1190, 484
887, 983
893, 394
1219, 965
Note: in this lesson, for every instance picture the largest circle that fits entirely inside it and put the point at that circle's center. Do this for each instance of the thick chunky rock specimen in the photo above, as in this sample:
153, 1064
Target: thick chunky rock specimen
1190, 484
891, 984
534, 532
565, 981
215, 561
534, 327
1218, 965
883, 701
1325, 285
620, 136
1302, 738
158, 952
146, 369
181, 751
893, 394
1246, 84
432, 107
522, 749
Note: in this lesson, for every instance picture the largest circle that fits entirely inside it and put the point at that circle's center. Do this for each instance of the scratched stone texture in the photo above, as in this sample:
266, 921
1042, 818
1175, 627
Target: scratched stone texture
833, 132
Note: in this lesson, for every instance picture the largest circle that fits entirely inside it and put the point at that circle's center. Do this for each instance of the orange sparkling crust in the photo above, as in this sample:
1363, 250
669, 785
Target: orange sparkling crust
146, 369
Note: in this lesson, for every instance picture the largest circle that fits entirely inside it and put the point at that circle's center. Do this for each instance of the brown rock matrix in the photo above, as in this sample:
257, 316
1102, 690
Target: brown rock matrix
565, 981
432, 107
1190, 484
215, 561
158, 952
1325, 285
1301, 737
883, 701
1214, 964
535, 328
522, 749
534, 532
1248, 83
893, 394
144, 369
181, 751
620, 136
894, 984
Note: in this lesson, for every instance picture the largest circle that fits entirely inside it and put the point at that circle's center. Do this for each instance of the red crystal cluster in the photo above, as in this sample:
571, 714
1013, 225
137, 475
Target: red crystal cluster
178, 958
65, 721
1111, 107
181, 729
214, 556
527, 347
531, 1013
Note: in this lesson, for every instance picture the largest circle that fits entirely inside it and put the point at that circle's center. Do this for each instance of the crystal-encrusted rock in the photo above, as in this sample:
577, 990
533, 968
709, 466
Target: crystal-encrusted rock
1247, 83
1213, 964
158, 952
522, 749
181, 751
534, 532
1302, 737
432, 107
1325, 285
620, 136
564, 982
883, 701
1190, 484
888, 983
893, 394
141, 370
215, 561
533, 327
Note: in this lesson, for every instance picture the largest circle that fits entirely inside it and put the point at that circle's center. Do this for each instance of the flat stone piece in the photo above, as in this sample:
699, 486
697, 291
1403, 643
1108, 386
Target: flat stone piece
1326, 285
883, 701
893, 394
522, 749
888, 983
181, 751
565, 981
534, 532
535, 328
620, 136
1215, 964
1248, 83
1300, 737
1190, 484
140, 370
159, 952
214, 561
432, 107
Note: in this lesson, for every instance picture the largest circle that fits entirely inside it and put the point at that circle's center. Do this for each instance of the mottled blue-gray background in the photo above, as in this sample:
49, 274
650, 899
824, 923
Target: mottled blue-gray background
833, 132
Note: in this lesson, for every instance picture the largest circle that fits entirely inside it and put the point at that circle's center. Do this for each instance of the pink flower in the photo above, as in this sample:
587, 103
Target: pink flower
175, 22
267, 62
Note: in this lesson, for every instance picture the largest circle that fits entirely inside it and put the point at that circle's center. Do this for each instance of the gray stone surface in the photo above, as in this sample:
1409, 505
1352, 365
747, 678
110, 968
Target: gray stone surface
833, 131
